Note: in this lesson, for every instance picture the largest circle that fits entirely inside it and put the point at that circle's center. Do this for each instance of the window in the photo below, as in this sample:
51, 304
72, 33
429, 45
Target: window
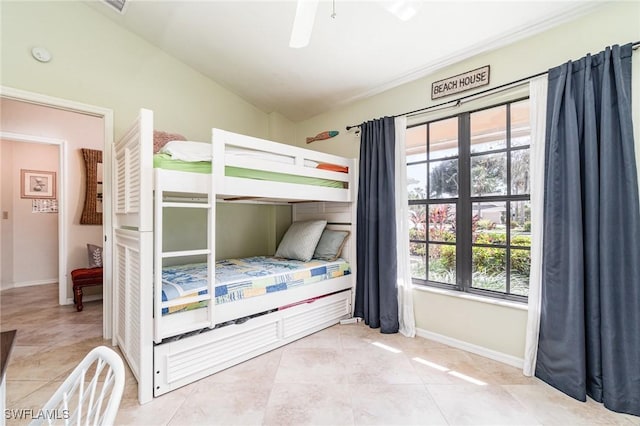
469, 205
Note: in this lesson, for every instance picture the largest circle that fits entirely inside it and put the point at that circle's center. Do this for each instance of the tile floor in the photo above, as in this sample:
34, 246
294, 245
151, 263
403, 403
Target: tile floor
344, 375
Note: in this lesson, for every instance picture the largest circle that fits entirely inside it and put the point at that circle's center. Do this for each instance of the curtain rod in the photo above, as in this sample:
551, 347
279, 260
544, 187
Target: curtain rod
459, 100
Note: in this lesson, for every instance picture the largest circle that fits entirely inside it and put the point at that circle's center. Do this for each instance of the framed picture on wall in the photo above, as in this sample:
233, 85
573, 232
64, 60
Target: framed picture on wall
37, 184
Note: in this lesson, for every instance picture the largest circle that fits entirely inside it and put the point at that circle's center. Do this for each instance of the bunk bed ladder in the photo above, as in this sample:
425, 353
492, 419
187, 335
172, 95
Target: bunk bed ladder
161, 202
211, 242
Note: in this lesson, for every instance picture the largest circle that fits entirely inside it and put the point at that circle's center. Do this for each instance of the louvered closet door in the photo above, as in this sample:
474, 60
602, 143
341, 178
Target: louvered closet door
134, 294
133, 250
133, 175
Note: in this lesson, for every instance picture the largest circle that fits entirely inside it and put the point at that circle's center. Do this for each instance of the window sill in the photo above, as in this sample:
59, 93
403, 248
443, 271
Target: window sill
473, 297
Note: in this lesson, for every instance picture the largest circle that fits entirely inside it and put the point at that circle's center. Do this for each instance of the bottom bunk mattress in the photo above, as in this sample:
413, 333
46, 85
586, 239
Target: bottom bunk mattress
238, 279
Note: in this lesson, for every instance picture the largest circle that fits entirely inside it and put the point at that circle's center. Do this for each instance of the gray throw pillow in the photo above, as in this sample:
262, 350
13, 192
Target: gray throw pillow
301, 239
95, 256
330, 245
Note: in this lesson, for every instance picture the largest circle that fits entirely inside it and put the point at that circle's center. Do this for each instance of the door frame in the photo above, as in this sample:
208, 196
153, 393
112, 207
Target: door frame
107, 117
61, 196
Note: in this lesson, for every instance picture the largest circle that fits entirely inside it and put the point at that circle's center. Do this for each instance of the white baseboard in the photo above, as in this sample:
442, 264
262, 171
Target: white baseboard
470, 347
89, 298
7, 286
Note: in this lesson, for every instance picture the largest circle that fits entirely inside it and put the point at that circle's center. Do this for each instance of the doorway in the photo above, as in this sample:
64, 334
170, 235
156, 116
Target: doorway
72, 242
31, 226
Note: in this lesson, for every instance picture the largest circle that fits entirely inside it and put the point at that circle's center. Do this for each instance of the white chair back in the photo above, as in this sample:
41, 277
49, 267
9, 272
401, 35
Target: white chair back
90, 395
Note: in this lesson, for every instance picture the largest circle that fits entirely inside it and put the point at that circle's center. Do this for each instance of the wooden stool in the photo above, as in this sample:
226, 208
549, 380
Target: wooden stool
84, 277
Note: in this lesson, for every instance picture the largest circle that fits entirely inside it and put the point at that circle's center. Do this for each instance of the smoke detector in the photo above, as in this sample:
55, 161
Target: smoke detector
41, 54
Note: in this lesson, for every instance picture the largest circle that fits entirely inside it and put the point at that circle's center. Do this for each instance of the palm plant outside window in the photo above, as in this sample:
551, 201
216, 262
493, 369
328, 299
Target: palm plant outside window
469, 204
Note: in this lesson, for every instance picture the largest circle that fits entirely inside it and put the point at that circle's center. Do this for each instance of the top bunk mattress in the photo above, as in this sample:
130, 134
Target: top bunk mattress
238, 279
195, 157
166, 162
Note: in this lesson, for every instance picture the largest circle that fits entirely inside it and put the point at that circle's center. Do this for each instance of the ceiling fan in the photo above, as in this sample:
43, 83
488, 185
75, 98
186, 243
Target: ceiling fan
306, 15
303, 23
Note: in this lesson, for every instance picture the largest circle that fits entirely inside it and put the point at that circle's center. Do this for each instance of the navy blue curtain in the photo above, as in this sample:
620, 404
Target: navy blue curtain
376, 291
590, 318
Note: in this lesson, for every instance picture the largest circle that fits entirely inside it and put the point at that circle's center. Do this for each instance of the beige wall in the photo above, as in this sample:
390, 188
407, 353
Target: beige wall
470, 319
242, 230
494, 327
281, 129
31, 246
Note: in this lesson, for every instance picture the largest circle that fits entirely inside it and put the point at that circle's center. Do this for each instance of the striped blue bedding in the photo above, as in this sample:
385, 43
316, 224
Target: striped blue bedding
238, 279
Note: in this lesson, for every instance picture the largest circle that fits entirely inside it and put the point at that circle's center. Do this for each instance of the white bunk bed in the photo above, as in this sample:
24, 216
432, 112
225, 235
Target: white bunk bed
169, 351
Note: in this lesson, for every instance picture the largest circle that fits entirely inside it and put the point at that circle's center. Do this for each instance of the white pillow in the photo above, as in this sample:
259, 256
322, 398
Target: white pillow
301, 239
188, 151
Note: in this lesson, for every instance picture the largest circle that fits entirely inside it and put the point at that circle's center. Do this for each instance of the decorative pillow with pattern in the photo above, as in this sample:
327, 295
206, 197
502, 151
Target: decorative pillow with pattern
95, 256
161, 138
300, 240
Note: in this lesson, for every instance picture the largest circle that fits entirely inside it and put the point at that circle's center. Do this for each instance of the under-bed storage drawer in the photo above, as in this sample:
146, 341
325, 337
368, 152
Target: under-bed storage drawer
186, 360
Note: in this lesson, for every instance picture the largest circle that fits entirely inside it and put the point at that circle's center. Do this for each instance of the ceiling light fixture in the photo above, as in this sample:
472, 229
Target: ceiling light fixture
401, 9
303, 23
306, 16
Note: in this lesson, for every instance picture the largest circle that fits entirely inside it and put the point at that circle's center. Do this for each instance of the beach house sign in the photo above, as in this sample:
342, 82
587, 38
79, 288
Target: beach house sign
460, 83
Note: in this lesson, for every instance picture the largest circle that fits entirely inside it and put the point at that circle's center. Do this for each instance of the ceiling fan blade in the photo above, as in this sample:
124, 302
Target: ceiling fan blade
303, 23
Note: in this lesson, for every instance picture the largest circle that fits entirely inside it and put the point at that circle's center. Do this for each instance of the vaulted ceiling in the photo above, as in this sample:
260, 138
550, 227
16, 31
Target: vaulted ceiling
362, 51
